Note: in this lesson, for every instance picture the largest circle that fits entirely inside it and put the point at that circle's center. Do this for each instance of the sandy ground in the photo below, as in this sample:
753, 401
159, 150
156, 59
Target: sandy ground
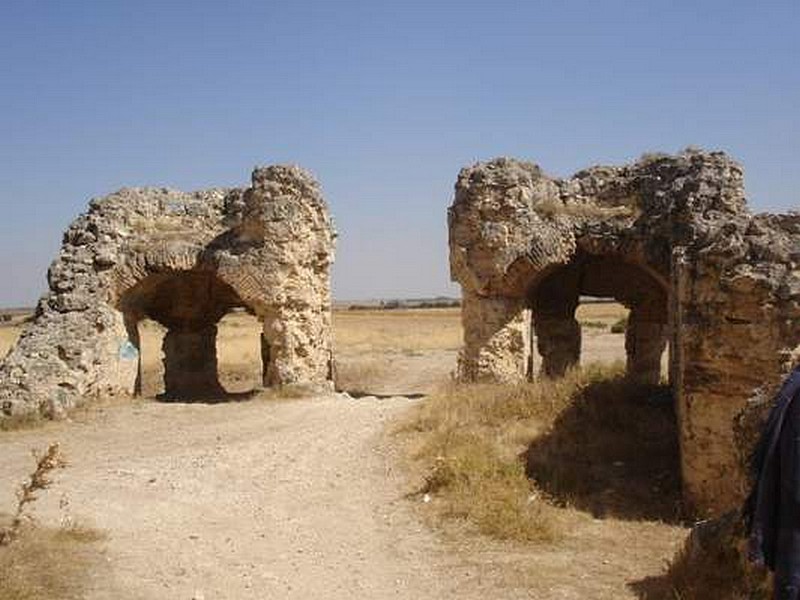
303, 498
253, 500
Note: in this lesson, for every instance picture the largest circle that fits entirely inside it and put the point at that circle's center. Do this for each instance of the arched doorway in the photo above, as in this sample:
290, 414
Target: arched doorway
189, 306
242, 351
614, 450
556, 333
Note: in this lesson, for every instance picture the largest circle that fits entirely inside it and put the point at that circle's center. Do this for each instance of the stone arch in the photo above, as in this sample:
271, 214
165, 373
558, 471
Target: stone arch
522, 242
189, 304
555, 296
183, 259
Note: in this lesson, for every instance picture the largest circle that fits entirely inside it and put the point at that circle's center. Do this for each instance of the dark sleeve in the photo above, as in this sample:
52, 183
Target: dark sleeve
790, 450
791, 385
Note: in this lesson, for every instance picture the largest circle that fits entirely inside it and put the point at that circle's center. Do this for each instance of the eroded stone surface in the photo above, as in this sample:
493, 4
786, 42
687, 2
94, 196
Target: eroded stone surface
184, 260
671, 238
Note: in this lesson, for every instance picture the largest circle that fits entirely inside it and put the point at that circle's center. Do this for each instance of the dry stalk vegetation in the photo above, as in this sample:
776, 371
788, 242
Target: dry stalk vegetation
41, 563
575, 474
39, 480
520, 462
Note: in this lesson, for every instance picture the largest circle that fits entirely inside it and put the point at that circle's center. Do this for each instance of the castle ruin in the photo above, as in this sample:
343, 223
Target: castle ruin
183, 260
669, 237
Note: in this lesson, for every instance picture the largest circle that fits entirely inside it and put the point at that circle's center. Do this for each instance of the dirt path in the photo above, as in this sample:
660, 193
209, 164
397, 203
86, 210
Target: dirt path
253, 500
303, 499
293, 499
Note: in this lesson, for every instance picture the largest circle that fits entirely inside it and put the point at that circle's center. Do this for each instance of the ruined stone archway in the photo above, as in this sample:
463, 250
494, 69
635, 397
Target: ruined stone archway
184, 260
556, 333
727, 296
189, 305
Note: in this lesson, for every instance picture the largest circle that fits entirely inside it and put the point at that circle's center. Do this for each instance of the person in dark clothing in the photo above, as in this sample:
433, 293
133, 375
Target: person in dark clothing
772, 511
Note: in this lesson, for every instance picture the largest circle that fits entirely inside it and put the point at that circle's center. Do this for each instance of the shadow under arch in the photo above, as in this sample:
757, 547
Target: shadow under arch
189, 304
613, 453
556, 334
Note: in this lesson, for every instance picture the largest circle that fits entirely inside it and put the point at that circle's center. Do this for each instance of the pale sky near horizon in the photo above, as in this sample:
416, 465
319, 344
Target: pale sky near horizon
383, 101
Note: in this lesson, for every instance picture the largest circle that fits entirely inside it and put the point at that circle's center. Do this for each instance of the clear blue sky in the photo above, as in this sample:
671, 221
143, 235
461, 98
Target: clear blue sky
383, 101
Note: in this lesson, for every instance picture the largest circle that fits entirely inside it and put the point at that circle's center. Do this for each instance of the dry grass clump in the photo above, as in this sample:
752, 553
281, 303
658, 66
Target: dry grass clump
475, 483
613, 451
471, 439
353, 376
714, 574
43, 563
712, 564
552, 208
23, 421
516, 460
38, 480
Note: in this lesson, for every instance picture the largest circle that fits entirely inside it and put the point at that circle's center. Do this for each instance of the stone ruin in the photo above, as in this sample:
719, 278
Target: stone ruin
669, 237
183, 260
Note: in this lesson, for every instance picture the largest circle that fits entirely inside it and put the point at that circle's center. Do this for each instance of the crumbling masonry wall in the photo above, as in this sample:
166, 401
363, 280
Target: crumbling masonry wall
184, 260
670, 237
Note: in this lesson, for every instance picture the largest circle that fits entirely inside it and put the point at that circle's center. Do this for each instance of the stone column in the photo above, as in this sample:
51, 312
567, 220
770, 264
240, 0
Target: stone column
496, 338
190, 363
265, 359
132, 328
558, 340
558, 333
645, 342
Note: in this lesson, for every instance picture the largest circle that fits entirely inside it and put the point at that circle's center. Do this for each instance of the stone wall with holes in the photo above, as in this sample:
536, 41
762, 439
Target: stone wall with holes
183, 259
670, 237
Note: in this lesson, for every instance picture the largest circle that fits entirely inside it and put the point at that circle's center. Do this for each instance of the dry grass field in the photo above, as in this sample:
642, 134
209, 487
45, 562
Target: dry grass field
8, 336
395, 351
569, 431
382, 352
402, 330
548, 490
583, 471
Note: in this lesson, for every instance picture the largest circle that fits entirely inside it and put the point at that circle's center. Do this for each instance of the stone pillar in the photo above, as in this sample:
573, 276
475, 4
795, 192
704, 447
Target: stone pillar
296, 347
645, 342
558, 340
132, 329
496, 338
558, 333
731, 343
190, 363
265, 359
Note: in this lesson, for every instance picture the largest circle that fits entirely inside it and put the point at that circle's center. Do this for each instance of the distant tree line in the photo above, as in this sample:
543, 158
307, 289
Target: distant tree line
407, 304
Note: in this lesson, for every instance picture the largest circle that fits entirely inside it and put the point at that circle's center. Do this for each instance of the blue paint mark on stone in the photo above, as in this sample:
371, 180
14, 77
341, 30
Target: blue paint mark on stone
128, 351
